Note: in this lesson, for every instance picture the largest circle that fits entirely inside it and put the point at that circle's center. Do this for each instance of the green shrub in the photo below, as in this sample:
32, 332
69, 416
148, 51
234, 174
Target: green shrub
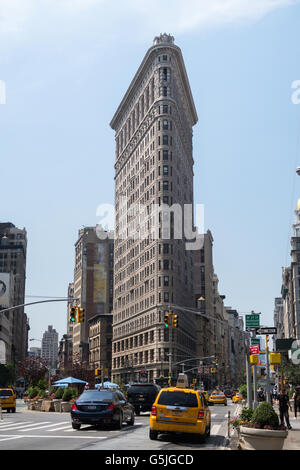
246, 414
33, 392
59, 393
68, 394
243, 390
264, 415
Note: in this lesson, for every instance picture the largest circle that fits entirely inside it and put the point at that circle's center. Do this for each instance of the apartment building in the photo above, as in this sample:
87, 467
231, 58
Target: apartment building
93, 284
50, 346
13, 247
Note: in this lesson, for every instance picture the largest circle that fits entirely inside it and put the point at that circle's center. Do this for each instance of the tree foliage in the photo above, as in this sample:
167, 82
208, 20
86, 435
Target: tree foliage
34, 369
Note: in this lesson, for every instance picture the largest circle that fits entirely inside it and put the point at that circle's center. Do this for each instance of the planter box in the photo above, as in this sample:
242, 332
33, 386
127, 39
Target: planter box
66, 407
30, 405
47, 405
261, 439
56, 404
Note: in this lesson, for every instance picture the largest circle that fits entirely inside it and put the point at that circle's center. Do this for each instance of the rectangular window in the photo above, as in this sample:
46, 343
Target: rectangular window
165, 91
166, 296
165, 140
165, 170
165, 185
165, 248
165, 109
166, 264
165, 154
166, 281
165, 124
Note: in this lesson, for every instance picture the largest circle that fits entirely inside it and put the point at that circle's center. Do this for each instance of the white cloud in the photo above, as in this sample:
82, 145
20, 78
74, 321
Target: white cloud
190, 15
149, 16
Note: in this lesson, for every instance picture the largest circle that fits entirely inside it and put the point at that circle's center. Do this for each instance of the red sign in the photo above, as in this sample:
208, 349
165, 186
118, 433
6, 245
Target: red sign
254, 349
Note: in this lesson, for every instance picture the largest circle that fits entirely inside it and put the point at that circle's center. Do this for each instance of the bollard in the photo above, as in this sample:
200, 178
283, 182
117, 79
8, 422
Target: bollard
228, 424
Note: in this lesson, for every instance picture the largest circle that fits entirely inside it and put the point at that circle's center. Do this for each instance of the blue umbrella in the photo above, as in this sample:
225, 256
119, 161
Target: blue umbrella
69, 380
107, 385
110, 385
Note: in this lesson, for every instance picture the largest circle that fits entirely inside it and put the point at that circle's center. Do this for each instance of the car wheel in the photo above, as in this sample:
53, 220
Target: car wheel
76, 425
120, 421
225, 404
208, 431
131, 422
153, 435
13, 410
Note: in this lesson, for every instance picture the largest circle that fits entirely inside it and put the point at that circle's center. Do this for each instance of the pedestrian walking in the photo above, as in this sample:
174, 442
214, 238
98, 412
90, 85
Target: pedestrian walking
284, 406
296, 399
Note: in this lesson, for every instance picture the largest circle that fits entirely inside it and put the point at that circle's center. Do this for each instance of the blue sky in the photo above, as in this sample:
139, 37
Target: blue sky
67, 64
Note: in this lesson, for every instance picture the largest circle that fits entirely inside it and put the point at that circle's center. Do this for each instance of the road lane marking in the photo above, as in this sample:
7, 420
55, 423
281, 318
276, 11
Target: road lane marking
60, 428
215, 429
36, 426
55, 437
18, 426
10, 438
8, 425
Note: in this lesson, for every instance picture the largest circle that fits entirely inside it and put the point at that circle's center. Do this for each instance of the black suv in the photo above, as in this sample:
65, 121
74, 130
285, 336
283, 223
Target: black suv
142, 396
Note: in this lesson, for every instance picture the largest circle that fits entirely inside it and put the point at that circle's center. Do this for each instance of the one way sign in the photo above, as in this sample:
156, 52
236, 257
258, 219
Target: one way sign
266, 331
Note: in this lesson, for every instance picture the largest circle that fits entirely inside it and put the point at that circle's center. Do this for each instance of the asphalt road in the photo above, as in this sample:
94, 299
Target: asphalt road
32, 430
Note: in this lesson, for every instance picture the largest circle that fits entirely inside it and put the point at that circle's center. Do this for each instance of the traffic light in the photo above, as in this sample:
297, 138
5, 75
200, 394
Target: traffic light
80, 314
73, 315
217, 361
167, 320
175, 321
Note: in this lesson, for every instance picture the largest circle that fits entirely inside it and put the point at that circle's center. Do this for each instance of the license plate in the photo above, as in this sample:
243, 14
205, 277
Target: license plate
141, 399
91, 407
176, 412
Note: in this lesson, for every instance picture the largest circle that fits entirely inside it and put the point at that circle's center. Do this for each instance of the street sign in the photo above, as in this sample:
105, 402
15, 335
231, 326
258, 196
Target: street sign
255, 341
266, 331
252, 320
254, 349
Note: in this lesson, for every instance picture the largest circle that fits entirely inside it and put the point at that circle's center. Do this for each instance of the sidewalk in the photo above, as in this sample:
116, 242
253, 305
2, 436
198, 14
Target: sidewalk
292, 442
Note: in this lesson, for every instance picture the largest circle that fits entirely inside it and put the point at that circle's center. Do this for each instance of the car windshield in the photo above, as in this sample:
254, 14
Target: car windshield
6, 393
142, 389
95, 395
178, 398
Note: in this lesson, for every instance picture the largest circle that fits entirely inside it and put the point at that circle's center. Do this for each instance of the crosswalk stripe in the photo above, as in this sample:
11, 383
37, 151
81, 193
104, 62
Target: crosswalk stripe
10, 438
215, 429
60, 428
22, 426
58, 436
36, 426
9, 425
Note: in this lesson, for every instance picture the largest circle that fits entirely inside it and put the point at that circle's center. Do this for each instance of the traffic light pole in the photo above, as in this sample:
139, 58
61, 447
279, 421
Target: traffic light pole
68, 299
255, 402
268, 395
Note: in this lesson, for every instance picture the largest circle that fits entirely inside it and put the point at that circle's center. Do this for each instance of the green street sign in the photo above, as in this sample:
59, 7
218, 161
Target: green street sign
252, 320
255, 341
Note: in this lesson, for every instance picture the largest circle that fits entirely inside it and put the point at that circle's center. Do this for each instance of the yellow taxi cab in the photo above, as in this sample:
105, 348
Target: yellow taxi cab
217, 397
237, 398
8, 399
180, 410
205, 393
